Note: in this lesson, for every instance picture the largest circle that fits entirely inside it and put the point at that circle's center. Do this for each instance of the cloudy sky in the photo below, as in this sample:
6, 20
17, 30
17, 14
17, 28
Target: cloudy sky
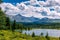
35, 8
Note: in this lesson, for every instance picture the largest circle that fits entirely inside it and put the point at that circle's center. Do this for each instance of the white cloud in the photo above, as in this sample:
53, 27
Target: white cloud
30, 10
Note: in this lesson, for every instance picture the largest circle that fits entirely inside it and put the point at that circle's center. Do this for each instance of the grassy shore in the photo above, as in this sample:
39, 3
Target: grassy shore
9, 35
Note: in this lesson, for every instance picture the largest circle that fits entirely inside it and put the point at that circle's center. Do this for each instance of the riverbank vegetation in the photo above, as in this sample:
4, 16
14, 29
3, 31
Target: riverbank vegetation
9, 35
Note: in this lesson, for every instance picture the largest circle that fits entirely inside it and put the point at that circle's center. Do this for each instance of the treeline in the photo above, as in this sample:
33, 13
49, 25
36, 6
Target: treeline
43, 26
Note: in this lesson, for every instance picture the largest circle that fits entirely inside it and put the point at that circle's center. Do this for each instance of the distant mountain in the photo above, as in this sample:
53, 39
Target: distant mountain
50, 20
20, 18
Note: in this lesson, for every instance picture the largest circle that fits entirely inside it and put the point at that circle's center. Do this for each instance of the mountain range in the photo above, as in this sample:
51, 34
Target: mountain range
23, 19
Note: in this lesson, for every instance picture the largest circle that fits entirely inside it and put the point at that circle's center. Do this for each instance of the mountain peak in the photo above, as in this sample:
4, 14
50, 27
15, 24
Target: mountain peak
18, 15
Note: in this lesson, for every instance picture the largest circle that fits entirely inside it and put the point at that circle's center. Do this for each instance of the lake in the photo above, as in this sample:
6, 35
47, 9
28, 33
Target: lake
51, 32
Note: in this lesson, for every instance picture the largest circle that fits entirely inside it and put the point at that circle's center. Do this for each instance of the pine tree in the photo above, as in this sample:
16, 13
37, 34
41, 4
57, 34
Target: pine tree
59, 38
2, 17
13, 26
33, 34
7, 21
47, 37
41, 34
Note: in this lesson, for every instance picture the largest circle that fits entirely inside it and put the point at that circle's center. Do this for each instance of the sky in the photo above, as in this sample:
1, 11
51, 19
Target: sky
36, 8
14, 1
17, 1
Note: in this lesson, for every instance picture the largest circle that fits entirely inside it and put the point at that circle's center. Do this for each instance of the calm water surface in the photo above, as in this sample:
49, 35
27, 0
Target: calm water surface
51, 32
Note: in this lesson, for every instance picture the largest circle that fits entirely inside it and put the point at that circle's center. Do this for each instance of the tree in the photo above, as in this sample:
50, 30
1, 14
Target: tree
19, 26
7, 21
33, 34
41, 34
47, 37
13, 26
2, 18
59, 38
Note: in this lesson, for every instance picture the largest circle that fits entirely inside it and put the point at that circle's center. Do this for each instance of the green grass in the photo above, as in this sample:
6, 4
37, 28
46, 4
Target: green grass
9, 35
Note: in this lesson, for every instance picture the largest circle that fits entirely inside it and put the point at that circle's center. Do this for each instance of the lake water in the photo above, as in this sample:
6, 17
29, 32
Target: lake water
51, 32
